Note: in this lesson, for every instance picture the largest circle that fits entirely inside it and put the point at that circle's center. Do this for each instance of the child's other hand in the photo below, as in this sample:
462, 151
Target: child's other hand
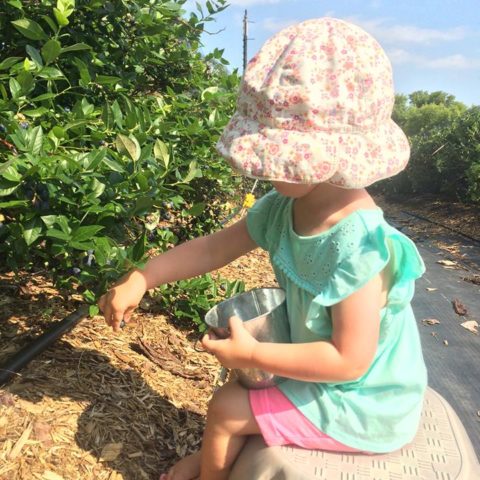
235, 351
121, 300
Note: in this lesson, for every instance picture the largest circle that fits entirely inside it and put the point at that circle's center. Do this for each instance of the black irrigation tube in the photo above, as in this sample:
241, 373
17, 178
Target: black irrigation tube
15, 363
458, 232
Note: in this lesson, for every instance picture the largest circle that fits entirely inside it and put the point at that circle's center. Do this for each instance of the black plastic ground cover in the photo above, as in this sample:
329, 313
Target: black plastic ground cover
452, 353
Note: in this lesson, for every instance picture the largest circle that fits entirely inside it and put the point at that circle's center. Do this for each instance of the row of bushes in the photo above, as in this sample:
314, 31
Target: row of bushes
445, 140
108, 115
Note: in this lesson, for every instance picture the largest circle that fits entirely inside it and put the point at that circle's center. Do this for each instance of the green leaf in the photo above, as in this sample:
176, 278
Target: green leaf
49, 220
209, 92
142, 181
27, 64
66, 6
84, 246
15, 88
89, 296
30, 29
50, 23
58, 234
14, 203
44, 96
138, 250
197, 209
62, 20
36, 112
93, 310
117, 114
62, 222
32, 230
58, 132
107, 79
9, 62
16, 4
35, 56
160, 150
107, 116
86, 233
85, 77
193, 172
50, 73
4, 166
11, 174
26, 81
87, 107
36, 140
97, 188
7, 190
3, 91
142, 205
113, 165
128, 145
212, 118
51, 50
76, 47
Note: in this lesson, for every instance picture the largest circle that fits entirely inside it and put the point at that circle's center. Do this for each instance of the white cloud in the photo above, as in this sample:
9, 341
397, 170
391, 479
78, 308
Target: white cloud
456, 62
452, 62
386, 33
190, 5
249, 3
272, 24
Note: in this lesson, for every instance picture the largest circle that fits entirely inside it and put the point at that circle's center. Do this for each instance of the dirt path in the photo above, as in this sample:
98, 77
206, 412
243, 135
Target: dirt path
96, 405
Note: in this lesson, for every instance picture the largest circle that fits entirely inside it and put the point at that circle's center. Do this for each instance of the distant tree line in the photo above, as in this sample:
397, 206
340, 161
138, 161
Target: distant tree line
445, 141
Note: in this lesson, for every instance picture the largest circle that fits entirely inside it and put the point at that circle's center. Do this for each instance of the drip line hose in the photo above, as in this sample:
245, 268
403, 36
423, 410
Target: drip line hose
14, 364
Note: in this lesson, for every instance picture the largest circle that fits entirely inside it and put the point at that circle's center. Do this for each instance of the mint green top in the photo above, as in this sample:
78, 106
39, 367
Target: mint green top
380, 411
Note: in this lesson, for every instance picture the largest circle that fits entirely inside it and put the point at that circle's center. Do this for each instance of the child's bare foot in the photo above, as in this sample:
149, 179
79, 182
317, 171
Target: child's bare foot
187, 468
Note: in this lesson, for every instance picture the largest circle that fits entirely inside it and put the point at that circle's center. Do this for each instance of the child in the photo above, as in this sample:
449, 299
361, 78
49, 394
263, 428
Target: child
313, 117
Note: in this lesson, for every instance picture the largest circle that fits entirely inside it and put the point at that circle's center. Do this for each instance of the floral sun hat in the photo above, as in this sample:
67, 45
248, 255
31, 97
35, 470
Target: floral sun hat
315, 106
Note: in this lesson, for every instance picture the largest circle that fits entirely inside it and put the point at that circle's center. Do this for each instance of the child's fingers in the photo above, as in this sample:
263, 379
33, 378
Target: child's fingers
128, 314
235, 323
117, 318
210, 342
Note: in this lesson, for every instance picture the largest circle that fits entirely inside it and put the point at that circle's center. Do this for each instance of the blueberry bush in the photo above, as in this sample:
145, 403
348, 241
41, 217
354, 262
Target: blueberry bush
109, 113
445, 138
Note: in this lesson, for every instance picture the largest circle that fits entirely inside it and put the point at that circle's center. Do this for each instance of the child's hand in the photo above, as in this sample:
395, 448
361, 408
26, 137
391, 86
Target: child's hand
122, 299
235, 351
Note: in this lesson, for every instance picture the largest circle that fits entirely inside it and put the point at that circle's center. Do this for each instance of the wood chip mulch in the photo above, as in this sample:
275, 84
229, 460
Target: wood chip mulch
99, 405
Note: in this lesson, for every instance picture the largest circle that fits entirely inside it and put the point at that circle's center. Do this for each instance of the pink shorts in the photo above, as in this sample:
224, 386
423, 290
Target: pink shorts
281, 423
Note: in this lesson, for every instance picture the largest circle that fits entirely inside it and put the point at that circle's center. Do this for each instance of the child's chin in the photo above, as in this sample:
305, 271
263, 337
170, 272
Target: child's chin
293, 190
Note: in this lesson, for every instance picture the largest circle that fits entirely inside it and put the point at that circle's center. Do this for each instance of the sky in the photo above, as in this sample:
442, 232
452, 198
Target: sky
433, 44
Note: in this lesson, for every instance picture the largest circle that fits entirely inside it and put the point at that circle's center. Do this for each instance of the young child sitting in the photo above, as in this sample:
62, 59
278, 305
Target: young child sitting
314, 118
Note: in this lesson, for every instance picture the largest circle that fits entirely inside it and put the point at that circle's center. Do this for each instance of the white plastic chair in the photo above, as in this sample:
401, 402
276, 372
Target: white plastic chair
441, 450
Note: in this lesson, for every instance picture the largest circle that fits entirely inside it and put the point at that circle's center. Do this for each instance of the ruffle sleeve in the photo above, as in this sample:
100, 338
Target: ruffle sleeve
382, 245
259, 218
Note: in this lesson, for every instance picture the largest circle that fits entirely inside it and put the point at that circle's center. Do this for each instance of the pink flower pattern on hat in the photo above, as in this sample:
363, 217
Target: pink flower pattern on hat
315, 105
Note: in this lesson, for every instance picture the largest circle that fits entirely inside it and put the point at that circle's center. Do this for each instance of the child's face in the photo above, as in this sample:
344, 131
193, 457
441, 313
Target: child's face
293, 190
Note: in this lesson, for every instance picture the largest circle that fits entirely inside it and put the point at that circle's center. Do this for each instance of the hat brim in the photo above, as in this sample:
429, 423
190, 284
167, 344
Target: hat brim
351, 158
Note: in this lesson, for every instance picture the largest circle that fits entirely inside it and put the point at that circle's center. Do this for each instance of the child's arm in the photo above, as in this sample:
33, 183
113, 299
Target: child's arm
356, 323
189, 259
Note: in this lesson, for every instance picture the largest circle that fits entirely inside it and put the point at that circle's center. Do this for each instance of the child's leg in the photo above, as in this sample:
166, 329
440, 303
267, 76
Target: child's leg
229, 422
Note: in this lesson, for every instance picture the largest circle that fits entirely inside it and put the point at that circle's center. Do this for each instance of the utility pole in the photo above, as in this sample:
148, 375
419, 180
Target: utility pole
245, 40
